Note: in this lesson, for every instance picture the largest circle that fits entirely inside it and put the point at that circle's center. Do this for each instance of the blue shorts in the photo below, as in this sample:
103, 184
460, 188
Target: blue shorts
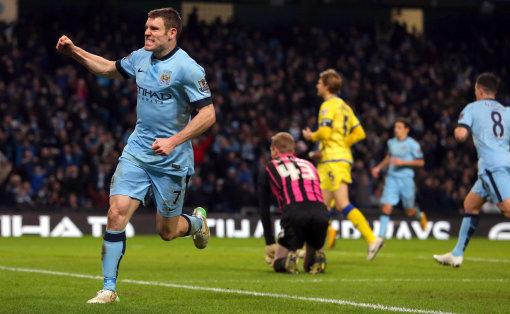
493, 184
399, 189
134, 181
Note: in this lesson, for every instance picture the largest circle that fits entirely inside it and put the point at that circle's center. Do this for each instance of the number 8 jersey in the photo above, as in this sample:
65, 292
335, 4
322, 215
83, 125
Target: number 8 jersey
489, 123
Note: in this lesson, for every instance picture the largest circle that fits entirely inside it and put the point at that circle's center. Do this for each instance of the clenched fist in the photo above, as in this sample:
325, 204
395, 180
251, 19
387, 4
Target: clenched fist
65, 45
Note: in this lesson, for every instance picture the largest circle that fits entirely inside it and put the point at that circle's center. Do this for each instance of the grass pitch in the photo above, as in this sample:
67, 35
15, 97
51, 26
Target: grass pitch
44, 275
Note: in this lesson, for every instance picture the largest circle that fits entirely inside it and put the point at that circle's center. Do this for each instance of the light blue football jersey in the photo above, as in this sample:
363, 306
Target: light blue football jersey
169, 89
489, 123
407, 149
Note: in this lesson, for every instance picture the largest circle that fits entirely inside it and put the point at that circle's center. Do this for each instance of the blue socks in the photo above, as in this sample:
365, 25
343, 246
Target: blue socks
383, 223
467, 228
194, 222
114, 246
347, 209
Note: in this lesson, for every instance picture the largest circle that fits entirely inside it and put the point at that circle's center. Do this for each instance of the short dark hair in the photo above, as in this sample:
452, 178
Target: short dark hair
404, 121
489, 82
332, 80
171, 18
284, 142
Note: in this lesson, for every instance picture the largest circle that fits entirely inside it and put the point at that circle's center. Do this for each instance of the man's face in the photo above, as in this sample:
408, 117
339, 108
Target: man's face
321, 88
400, 130
157, 37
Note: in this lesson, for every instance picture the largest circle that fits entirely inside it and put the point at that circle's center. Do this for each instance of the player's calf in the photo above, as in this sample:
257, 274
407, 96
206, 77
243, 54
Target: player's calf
167, 235
505, 207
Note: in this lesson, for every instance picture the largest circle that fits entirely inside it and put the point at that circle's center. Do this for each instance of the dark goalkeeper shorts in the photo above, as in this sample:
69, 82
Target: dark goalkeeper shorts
303, 222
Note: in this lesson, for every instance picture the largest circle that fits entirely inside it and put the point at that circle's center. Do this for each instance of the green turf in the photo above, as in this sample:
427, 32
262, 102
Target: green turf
403, 275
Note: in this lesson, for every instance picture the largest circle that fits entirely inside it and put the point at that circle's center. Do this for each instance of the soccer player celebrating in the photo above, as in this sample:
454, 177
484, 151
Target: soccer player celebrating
295, 184
404, 153
159, 152
338, 130
489, 123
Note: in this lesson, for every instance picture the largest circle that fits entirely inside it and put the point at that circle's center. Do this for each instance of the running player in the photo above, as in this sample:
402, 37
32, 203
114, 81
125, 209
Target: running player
158, 153
404, 154
489, 123
338, 130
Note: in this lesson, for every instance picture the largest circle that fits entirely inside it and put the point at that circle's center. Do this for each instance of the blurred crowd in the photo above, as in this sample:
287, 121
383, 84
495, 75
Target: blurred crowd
63, 129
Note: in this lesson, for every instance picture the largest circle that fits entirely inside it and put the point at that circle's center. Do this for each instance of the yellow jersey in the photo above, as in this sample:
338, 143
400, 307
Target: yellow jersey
337, 114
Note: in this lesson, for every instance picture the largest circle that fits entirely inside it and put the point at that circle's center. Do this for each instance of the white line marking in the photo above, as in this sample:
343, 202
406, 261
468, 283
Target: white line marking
488, 260
231, 291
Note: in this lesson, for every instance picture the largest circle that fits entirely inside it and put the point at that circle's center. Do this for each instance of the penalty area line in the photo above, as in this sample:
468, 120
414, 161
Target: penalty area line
373, 306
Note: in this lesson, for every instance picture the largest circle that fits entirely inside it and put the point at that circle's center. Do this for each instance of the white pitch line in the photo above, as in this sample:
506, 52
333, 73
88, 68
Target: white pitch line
373, 306
488, 260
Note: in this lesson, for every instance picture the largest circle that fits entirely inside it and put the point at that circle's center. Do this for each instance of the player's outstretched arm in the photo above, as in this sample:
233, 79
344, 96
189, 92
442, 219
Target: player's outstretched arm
204, 119
95, 64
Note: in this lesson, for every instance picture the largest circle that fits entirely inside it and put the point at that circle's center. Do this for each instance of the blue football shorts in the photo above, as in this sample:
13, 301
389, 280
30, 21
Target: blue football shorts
134, 181
493, 184
399, 189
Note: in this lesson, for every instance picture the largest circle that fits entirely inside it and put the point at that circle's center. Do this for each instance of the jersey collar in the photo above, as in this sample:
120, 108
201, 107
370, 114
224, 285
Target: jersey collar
167, 56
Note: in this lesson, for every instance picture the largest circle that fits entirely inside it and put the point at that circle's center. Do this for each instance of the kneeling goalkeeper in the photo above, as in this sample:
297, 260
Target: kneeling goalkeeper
295, 184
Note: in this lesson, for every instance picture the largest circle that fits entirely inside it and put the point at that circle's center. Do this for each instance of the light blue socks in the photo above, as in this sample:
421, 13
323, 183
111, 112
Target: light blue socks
467, 228
383, 224
114, 246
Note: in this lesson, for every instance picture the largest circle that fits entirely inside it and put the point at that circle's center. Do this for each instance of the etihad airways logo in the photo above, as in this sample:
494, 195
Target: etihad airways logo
152, 96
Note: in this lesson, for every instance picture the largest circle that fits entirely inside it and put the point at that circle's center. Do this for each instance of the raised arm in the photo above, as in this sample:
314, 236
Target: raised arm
95, 64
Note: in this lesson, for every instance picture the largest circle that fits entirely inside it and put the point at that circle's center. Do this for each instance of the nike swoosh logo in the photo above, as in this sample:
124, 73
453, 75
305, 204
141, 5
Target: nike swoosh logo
140, 70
